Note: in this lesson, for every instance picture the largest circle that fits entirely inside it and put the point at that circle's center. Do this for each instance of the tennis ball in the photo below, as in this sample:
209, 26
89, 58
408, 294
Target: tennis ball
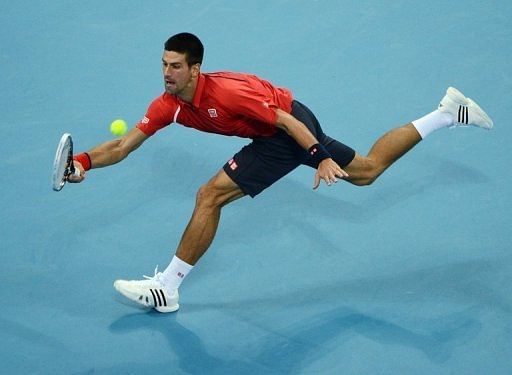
118, 127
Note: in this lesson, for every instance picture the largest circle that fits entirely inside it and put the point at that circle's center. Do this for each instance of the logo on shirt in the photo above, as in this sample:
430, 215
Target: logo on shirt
212, 112
145, 120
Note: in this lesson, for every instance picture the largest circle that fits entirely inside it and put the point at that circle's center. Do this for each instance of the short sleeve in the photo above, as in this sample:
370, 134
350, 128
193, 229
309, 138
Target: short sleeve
160, 114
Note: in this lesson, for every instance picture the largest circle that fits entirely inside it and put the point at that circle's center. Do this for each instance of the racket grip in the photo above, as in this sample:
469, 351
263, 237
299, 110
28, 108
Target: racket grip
76, 172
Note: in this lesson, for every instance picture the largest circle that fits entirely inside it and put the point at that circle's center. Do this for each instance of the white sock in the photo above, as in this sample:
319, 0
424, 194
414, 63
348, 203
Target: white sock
431, 122
174, 274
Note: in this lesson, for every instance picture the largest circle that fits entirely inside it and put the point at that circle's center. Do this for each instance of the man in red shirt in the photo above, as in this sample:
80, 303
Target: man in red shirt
284, 133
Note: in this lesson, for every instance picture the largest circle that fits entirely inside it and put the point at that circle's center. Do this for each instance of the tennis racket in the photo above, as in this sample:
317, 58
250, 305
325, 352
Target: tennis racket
63, 163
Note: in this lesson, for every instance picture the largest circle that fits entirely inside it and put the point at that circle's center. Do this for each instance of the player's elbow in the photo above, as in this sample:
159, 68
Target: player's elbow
123, 154
130, 142
119, 151
283, 120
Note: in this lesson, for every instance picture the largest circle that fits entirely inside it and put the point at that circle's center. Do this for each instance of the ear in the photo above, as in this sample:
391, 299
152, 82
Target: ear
196, 69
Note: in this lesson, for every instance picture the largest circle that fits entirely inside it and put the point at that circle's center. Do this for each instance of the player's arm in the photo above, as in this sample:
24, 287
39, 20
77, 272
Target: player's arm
328, 169
111, 152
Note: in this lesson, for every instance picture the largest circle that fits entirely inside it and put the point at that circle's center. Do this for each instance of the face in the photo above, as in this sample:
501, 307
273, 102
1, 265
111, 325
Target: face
180, 78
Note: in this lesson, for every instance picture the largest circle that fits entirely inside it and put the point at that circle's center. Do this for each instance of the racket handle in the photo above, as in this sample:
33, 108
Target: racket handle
76, 172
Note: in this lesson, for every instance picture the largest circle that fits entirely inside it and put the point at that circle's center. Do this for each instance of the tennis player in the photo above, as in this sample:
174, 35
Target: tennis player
284, 132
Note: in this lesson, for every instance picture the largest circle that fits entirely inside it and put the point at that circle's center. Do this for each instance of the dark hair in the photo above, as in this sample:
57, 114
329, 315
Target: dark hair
186, 43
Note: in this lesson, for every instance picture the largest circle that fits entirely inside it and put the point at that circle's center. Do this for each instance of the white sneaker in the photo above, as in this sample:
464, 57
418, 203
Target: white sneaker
465, 111
149, 293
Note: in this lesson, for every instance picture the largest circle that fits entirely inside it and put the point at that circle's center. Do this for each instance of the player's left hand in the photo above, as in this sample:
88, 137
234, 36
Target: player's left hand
329, 171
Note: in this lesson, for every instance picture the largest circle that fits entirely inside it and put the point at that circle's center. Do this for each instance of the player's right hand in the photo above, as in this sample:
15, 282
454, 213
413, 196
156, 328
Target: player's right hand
73, 178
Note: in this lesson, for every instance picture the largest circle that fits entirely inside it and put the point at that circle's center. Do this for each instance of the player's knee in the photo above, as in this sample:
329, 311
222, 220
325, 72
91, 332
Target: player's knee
367, 175
205, 196
209, 196
361, 181
365, 181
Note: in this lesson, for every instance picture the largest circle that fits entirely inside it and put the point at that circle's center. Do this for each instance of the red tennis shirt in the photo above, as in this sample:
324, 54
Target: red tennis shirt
224, 103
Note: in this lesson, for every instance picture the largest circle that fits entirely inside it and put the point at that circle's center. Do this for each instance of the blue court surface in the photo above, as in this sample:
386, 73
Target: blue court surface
411, 275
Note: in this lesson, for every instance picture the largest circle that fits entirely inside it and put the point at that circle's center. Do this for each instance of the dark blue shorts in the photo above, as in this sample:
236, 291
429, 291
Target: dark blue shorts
265, 160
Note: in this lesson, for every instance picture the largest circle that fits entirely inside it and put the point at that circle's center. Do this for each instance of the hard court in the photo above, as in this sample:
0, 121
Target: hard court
409, 275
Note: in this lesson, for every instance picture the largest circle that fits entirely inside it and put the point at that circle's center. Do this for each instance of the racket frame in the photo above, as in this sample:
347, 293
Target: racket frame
58, 181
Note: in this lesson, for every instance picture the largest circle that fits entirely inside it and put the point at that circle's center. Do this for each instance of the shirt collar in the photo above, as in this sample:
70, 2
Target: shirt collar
199, 91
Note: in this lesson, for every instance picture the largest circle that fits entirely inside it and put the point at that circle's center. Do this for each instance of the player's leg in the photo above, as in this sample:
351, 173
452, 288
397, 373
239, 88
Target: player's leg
363, 170
454, 110
201, 229
161, 290
252, 169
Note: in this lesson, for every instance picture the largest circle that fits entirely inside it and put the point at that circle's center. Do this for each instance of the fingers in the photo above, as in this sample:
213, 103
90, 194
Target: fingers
327, 179
341, 173
330, 179
336, 169
329, 171
73, 178
317, 181
79, 174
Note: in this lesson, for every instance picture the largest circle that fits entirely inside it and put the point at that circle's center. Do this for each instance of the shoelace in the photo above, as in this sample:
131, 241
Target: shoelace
157, 292
155, 277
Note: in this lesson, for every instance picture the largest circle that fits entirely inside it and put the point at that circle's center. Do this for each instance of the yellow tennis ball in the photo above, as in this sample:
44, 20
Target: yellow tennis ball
118, 127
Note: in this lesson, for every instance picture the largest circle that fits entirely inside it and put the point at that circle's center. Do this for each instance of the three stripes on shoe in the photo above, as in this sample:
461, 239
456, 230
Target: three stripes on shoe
463, 115
156, 293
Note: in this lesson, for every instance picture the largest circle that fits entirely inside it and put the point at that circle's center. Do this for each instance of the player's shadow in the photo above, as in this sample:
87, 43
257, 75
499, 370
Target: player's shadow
318, 329
306, 341
437, 283
193, 358
320, 336
419, 290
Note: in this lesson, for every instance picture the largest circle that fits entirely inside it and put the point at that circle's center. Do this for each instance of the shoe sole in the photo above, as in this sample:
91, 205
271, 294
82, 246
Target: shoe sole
488, 123
168, 309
